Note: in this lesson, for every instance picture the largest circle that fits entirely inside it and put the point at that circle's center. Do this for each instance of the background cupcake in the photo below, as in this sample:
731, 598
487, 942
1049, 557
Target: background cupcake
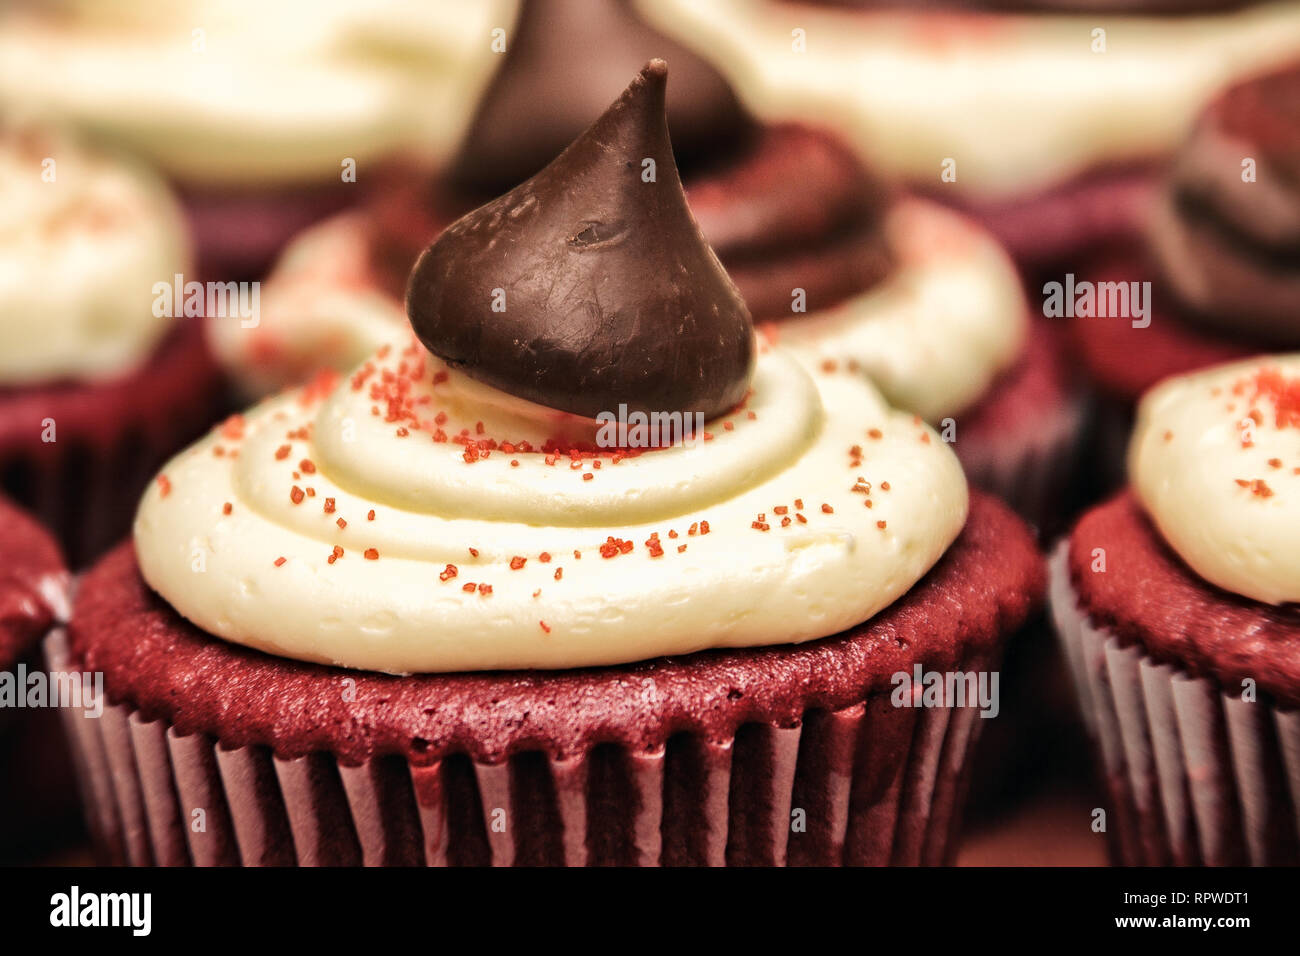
96, 387
254, 127
36, 785
1052, 142
846, 272
1219, 256
1176, 602
611, 655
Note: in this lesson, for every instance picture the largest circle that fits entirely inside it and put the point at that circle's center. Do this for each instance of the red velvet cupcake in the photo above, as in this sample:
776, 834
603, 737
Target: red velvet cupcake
37, 786
97, 385
1046, 120
434, 612
263, 119
1177, 604
1223, 242
837, 266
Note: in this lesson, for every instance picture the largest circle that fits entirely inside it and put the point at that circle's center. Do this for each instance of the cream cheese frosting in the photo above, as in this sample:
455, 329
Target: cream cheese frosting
84, 236
933, 337
242, 92
408, 519
1020, 101
1215, 461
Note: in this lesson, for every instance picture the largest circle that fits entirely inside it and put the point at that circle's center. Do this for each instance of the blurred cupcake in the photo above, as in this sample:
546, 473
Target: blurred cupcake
1011, 111
1220, 258
97, 387
36, 786
255, 111
831, 260
1177, 604
441, 620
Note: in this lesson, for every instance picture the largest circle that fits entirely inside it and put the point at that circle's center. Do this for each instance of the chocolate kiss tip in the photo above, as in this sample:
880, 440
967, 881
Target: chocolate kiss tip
589, 286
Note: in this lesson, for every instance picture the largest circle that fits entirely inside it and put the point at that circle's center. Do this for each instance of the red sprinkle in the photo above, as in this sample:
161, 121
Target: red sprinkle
227, 508
279, 561
545, 627
296, 495
827, 509
372, 554
329, 506
517, 562
371, 515
448, 573
164, 485
282, 452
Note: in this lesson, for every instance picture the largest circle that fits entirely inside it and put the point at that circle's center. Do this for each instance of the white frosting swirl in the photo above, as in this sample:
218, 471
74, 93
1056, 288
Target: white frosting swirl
1020, 101
83, 239
788, 460
1215, 461
939, 330
263, 93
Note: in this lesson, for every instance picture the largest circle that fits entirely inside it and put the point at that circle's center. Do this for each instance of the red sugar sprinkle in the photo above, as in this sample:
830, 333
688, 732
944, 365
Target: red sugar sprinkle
559, 573
652, 543
473, 552
296, 495
537, 593
681, 548
164, 486
371, 554
1283, 392
544, 557
884, 486
341, 523
577, 554
545, 627
370, 515
448, 573
875, 434
517, 562
469, 588
335, 554
704, 527
226, 508
729, 426
282, 452
485, 589
798, 504
329, 506
785, 522
827, 509
588, 476
514, 462
232, 428
307, 466
279, 561
613, 547
880, 525
801, 519
1275, 462
311, 492
672, 533
780, 510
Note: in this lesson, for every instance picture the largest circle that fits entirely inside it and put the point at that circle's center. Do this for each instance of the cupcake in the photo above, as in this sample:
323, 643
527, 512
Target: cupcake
428, 613
1019, 113
36, 787
1176, 601
828, 258
265, 117
97, 385
1219, 257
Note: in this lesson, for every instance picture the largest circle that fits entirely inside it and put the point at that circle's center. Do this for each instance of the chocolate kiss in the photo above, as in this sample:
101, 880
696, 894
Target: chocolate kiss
564, 61
605, 293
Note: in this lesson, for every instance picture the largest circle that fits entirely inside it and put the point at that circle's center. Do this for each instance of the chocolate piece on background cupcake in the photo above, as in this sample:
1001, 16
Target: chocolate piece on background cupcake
1177, 604
1050, 144
97, 387
848, 273
425, 598
253, 110
1221, 255
37, 792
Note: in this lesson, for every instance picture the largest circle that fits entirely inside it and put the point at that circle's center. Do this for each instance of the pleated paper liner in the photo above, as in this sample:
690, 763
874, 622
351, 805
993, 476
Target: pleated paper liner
1196, 775
870, 784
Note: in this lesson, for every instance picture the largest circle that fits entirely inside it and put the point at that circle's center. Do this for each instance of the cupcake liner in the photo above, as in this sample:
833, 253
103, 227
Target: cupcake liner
1196, 775
1033, 475
870, 784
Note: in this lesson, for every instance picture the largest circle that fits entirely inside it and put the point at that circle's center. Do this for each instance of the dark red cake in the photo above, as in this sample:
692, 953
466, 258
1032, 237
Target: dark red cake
109, 439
